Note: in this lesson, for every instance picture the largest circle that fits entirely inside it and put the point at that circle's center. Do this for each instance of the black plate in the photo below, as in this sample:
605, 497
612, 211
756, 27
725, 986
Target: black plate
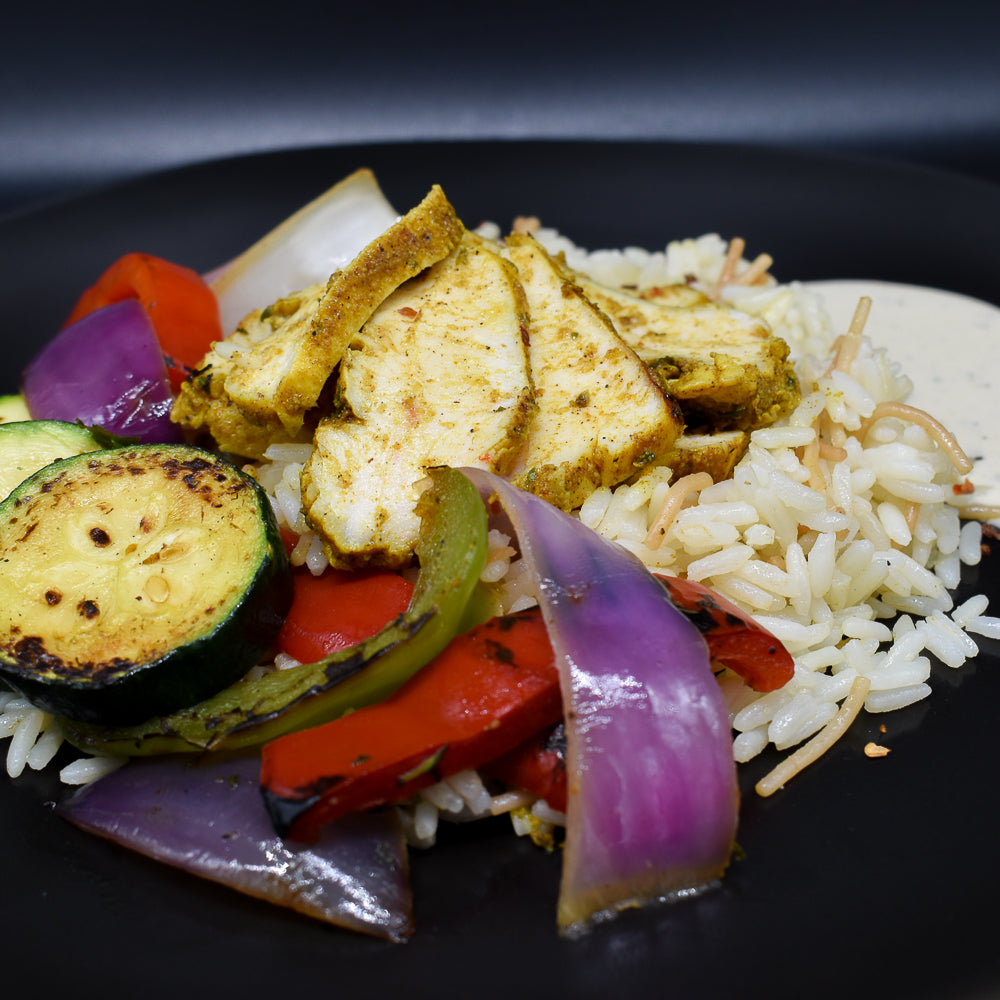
873, 876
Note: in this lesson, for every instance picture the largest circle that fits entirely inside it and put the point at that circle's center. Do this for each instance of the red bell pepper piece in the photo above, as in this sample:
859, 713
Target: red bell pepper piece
491, 689
181, 306
339, 609
538, 766
733, 637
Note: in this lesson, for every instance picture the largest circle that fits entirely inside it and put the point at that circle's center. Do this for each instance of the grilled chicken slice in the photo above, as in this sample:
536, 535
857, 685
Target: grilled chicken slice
439, 375
205, 403
725, 368
273, 369
601, 416
716, 454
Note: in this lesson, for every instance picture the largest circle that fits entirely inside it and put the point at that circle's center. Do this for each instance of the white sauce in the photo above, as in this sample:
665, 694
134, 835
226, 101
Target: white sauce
947, 344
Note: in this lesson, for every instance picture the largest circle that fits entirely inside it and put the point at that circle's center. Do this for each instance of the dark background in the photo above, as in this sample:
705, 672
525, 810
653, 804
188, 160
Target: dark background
92, 93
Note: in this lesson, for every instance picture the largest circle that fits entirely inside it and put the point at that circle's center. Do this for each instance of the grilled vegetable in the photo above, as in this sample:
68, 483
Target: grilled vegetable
106, 370
136, 581
179, 303
320, 238
29, 445
538, 765
488, 691
482, 704
634, 673
339, 609
13, 408
452, 553
734, 638
205, 816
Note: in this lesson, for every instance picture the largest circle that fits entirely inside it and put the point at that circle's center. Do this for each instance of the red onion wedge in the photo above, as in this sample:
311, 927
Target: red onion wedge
207, 817
652, 794
105, 370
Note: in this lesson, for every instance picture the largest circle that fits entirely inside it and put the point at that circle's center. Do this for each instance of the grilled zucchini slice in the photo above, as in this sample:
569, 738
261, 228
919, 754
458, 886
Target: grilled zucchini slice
135, 581
13, 408
29, 445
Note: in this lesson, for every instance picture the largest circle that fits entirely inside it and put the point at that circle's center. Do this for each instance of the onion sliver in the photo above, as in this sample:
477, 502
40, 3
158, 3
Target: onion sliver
105, 370
307, 247
207, 817
652, 793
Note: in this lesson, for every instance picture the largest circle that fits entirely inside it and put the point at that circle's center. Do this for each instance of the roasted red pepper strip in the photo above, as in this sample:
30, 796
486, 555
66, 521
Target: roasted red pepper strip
538, 766
181, 306
733, 637
339, 609
491, 689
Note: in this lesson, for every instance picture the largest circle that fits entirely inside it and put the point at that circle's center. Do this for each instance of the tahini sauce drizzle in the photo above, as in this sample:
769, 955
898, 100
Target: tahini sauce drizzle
948, 346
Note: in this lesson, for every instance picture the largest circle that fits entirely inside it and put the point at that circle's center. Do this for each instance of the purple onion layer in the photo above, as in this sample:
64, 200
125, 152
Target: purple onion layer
208, 818
105, 370
652, 792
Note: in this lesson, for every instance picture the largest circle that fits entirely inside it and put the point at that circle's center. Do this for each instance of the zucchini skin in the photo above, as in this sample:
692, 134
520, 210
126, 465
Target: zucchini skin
29, 445
126, 691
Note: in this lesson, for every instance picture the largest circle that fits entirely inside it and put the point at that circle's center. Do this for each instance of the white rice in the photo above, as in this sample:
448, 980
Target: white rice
35, 739
464, 797
825, 569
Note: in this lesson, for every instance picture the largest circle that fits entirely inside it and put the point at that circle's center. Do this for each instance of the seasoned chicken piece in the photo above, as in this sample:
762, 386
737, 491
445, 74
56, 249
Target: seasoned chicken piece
204, 403
439, 375
725, 368
601, 415
716, 454
274, 367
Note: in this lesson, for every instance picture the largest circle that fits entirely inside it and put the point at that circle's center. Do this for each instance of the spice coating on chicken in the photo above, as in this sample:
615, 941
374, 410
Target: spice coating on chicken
601, 416
716, 453
725, 368
204, 402
438, 376
275, 366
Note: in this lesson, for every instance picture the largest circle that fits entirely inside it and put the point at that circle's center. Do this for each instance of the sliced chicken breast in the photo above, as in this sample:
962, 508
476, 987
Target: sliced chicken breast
438, 376
273, 369
600, 415
725, 368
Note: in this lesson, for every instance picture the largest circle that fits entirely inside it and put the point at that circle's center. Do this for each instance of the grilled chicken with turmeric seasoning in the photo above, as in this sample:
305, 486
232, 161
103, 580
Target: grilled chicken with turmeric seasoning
438, 347
270, 374
438, 376
717, 454
726, 369
601, 416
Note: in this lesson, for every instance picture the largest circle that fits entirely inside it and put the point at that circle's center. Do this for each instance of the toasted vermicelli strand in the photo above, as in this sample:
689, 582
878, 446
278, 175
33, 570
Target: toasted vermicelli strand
981, 512
831, 452
672, 503
733, 255
820, 743
914, 415
757, 271
846, 346
809, 456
